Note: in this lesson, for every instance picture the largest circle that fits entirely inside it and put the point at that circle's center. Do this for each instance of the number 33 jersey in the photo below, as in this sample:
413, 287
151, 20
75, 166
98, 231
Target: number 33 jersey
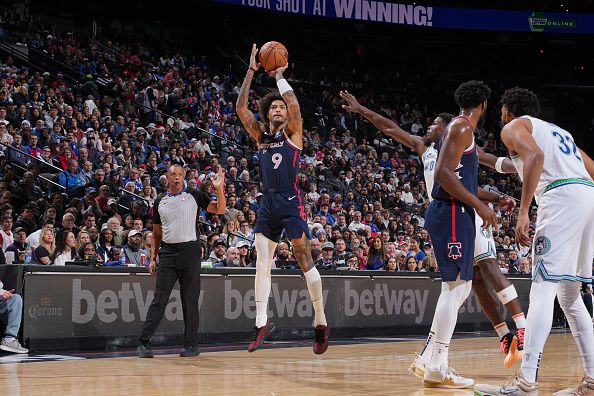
279, 162
563, 162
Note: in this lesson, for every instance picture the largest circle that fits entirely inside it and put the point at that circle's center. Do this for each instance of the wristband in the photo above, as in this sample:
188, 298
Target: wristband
254, 70
283, 86
498, 164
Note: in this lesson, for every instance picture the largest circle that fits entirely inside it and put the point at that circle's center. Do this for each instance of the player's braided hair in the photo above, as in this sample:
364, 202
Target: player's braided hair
471, 94
265, 103
521, 101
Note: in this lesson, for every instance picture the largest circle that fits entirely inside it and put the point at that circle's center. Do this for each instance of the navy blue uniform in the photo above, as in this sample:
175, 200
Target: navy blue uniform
451, 223
282, 203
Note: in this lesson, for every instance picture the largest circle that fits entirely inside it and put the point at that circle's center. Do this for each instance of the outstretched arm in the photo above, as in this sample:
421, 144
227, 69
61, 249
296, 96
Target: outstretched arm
385, 125
490, 160
251, 125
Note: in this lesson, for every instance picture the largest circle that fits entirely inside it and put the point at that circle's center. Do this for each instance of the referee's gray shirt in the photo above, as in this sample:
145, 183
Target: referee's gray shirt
178, 214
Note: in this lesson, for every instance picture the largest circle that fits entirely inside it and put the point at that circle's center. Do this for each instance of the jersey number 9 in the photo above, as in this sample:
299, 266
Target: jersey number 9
277, 158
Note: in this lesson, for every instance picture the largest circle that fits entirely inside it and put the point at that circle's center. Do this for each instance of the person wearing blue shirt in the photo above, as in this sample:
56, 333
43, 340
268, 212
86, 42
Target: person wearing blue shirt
70, 178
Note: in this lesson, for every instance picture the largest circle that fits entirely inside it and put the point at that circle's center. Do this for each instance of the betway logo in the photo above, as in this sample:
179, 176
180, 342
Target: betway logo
285, 303
125, 303
383, 301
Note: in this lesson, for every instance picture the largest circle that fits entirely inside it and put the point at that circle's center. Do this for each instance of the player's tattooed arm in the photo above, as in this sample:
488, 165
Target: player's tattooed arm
295, 121
302, 252
247, 118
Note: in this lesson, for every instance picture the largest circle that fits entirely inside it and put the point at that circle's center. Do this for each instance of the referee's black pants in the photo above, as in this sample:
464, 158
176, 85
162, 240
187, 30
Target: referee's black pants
176, 261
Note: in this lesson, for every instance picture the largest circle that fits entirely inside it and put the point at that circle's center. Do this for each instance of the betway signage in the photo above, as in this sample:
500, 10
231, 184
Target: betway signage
81, 305
427, 16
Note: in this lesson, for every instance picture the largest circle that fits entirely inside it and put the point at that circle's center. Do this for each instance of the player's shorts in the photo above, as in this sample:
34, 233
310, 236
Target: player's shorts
452, 231
282, 211
563, 244
484, 244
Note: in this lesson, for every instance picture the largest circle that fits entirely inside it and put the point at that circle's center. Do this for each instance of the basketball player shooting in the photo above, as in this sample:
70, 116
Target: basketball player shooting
486, 270
559, 175
279, 139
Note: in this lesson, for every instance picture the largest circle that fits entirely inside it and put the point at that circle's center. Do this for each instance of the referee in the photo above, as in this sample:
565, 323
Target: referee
179, 256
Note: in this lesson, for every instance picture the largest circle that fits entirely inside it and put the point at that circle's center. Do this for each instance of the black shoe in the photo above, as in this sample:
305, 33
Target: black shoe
144, 351
190, 351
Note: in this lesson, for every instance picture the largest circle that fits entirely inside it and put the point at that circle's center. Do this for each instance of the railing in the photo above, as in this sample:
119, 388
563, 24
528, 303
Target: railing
40, 162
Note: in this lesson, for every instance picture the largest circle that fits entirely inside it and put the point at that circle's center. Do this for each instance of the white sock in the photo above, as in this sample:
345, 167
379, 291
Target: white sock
538, 325
451, 298
579, 321
520, 320
428, 349
501, 329
440, 354
263, 281
314, 285
262, 289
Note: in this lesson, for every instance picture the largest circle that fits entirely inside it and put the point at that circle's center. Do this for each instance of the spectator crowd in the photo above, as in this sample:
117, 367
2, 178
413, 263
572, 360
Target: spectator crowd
81, 164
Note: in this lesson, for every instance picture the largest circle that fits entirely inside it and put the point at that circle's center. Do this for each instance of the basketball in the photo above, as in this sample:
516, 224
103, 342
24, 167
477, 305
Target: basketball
273, 55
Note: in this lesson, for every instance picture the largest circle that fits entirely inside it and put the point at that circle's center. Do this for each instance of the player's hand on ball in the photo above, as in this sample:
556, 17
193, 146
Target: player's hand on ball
153, 267
253, 64
507, 203
352, 105
278, 72
522, 230
489, 217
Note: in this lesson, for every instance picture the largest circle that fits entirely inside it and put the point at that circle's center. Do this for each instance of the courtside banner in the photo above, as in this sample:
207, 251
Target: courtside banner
427, 16
72, 305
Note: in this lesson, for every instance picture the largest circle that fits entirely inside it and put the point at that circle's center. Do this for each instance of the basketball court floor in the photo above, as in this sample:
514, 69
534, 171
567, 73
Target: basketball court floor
364, 366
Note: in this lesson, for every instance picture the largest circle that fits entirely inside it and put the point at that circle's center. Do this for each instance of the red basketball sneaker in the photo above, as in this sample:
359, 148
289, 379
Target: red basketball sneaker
520, 335
260, 333
321, 340
505, 343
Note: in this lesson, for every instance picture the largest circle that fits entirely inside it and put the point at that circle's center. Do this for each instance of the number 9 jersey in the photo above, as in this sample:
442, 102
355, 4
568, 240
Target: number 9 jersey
282, 203
279, 162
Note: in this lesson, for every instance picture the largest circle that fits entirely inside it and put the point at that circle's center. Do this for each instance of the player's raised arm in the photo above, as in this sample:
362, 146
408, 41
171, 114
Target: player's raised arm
385, 125
500, 164
517, 136
247, 118
294, 122
459, 136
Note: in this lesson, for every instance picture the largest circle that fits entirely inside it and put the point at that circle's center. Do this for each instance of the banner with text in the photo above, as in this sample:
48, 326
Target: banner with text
111, 305
426, 16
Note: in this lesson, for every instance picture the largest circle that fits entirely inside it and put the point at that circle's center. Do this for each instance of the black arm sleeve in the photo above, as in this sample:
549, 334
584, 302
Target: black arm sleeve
155, 212
202, 199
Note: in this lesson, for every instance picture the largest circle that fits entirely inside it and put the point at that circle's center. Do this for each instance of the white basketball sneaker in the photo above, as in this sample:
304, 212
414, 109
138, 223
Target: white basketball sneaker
585, 388
444, 377
417, 367
515, 385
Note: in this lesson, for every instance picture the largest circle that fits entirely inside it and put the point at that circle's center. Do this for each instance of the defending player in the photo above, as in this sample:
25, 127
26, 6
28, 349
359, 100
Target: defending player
486, 269
559, 176
450, 222
280, 141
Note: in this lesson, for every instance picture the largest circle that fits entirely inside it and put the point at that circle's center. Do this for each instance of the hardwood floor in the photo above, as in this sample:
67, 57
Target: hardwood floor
359, 369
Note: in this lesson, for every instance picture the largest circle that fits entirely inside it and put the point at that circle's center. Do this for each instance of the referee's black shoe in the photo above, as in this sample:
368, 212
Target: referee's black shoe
145, 351
190, 351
